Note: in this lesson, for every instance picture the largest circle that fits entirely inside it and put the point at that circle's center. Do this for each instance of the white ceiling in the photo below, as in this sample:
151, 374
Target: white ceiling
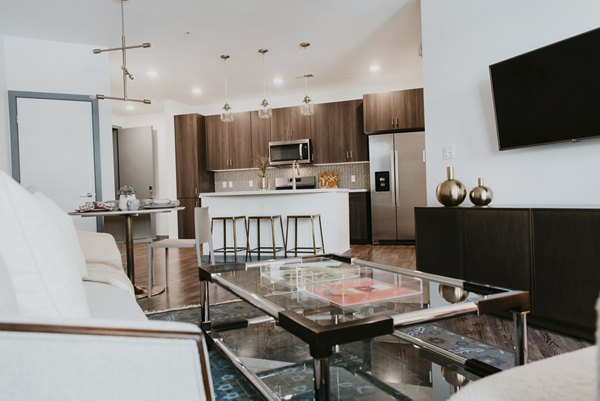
346, 37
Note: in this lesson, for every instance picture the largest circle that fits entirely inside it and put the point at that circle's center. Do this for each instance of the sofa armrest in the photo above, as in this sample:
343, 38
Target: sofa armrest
103, 360
100, 248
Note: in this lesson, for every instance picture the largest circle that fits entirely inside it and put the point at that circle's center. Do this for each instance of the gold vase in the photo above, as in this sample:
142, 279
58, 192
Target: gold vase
450, 192
481, 195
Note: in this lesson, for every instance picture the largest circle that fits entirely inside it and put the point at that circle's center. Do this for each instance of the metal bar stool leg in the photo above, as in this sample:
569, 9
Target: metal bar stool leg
287, 232
282, 236
166, 270
295, 236
234, 224
312, 224
224, 240
247, 225
321, 231
273, 236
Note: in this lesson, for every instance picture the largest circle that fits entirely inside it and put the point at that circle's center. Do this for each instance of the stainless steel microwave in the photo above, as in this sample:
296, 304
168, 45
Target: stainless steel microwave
286, 152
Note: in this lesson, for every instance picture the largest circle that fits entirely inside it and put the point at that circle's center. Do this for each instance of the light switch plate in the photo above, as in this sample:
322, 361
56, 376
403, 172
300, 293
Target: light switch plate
250, 183
224, 184
448, 152
352, 178
230, 184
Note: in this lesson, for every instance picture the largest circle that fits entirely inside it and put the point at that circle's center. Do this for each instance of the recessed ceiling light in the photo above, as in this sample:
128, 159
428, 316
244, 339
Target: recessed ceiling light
278, 81
374, 67
196, 90
129, 106
152, 73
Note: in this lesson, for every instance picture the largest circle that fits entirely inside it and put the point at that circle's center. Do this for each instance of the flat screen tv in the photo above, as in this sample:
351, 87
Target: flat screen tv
548, 95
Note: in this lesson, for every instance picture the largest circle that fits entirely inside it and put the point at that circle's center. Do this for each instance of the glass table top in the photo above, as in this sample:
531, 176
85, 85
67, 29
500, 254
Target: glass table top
331, 291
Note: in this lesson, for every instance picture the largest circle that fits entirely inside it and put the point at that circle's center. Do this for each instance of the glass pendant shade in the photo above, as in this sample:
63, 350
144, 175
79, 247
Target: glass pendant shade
265, 111
307, 108
227, 114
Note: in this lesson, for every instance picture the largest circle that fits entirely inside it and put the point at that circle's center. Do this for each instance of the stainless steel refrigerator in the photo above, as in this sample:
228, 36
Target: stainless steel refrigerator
397, 164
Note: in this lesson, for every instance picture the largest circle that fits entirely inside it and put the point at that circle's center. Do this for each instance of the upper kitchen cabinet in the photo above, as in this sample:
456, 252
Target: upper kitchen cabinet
338, 134
261, 134
394, 111
288, 124
190, 156
228, 143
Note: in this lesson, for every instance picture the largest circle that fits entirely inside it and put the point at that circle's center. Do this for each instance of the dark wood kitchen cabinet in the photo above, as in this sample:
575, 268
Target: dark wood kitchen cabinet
228, 143
394, 111
261, 134
288, 123
360, 217
192, 175
338, 134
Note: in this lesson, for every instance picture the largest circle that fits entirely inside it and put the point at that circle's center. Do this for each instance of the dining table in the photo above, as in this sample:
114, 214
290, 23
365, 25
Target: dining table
140, 291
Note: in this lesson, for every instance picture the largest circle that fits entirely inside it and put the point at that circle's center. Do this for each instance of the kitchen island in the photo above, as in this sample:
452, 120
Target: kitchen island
331, 204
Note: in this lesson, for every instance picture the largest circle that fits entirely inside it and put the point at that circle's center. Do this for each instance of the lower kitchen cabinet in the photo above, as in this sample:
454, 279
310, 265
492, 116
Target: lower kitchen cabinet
185, 218
552, 253
360, 217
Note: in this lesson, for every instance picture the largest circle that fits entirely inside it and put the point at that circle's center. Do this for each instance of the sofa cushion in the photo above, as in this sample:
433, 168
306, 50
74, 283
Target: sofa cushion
45, 280
570, 376
64, 222
101, 273
8, 301
109, 302
100, 248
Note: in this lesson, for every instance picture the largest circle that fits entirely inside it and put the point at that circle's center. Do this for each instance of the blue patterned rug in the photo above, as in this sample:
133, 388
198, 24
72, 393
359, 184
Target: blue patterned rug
348, 366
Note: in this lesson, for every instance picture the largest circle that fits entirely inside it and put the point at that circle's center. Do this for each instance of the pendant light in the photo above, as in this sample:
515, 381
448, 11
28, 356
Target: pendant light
227, 114
265, 111
126, 73
306, 108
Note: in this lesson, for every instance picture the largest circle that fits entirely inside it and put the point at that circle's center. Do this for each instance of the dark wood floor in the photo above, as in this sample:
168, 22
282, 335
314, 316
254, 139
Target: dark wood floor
184, 289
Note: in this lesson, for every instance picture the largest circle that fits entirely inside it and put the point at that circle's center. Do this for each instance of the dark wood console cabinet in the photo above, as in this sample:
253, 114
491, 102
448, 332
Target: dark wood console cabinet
553, 253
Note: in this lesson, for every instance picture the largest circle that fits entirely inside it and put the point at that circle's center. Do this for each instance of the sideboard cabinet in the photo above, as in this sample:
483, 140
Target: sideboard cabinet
552, 253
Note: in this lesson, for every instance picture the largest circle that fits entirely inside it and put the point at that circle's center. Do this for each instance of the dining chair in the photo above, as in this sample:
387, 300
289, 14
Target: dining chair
202, 236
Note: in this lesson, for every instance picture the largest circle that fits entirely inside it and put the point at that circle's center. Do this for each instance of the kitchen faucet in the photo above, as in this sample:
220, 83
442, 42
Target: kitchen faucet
295, 173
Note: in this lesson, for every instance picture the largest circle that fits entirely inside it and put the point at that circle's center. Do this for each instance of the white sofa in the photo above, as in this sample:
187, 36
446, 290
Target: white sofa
93, 343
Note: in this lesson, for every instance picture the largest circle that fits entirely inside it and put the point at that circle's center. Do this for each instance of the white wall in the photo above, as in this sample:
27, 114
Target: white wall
461, 38
44, 66
4, 128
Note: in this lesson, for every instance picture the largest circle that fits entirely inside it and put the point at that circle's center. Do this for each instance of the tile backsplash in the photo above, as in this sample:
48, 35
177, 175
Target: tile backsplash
241, 180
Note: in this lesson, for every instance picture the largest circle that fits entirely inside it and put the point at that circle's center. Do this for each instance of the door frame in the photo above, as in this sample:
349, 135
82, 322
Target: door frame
14, 130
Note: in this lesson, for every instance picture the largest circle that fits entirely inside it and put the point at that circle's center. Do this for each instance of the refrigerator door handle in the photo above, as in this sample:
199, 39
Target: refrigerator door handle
393, 175
396, 178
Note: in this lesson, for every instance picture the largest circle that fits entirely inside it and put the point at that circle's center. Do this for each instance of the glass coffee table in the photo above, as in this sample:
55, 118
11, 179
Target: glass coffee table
323, 307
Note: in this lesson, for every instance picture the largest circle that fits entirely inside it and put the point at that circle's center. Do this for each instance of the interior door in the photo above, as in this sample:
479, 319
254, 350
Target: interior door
56, 152
410, 181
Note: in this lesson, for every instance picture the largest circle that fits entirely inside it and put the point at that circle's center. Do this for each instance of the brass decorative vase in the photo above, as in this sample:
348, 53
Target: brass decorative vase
481, 195
450, 192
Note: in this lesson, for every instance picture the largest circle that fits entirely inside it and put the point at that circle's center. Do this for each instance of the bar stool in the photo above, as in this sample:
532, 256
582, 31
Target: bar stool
273, 248
303, 249
235, 248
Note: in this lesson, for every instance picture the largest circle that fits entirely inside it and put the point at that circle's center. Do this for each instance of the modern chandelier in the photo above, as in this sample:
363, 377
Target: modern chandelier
126, 73
265, 111
227, 114
306, 108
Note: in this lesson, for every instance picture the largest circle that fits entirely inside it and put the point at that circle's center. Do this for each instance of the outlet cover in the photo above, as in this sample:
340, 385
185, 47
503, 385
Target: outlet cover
224, 184
352, 178
448, 152
230, 184
250, 183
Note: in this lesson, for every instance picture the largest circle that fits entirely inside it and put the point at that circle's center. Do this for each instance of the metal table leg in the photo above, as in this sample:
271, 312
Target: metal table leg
321, 378
521, 352
140, 292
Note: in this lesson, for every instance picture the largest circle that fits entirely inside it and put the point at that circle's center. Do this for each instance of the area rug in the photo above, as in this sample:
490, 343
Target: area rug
296, 378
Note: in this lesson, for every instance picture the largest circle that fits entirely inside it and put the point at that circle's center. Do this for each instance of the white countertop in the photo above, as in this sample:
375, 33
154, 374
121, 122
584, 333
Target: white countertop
280, 192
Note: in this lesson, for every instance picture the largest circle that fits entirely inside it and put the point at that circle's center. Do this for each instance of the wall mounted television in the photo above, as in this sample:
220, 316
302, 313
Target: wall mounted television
548, 95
